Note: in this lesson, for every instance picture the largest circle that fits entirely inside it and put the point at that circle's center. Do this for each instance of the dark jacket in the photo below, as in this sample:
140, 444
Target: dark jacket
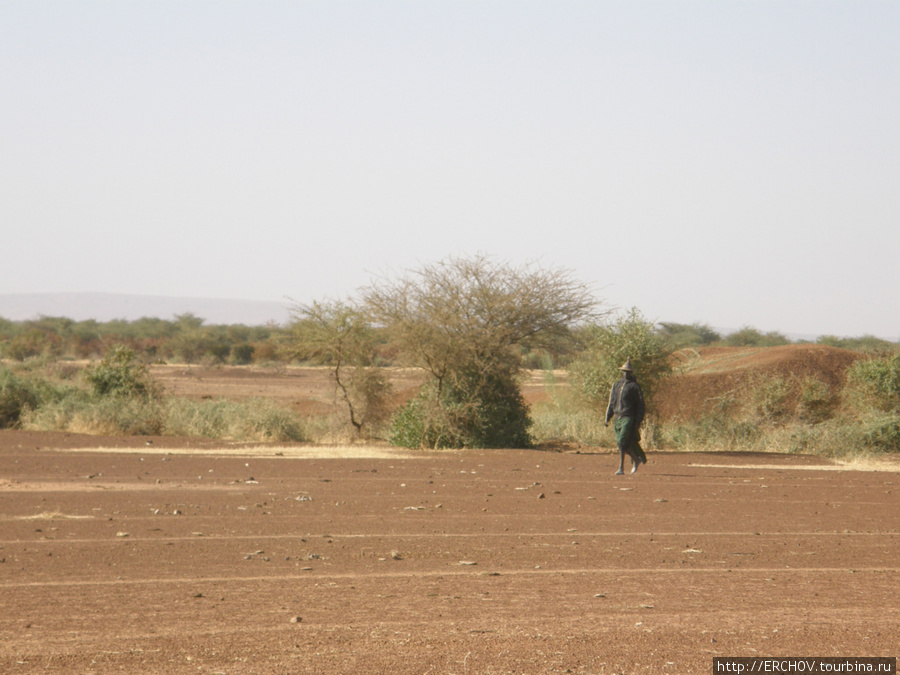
626, 400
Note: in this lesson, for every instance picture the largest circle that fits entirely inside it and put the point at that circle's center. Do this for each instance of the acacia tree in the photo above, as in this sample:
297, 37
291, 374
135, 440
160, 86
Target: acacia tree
338, 334
465, 321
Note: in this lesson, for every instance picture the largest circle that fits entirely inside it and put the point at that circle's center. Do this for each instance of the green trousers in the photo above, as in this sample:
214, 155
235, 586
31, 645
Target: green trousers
628, 437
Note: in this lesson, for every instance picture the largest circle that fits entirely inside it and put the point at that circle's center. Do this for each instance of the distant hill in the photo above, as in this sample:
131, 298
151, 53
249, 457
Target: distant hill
109, 306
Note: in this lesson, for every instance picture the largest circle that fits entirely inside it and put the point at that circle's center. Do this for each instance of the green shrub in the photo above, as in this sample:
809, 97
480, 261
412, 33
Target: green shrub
874, 384
30, 343
769, 399
242, 354
80, 411
882, 433
866, 343
751, 337
411, 426
121, 415
478, 410
817, 401
607, 347
252, 420
499, 416
680, 336
119, 375
16, 397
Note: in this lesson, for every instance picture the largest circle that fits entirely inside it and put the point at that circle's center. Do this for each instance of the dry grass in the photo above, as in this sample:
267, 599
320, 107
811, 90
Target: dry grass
290, 451
53, 515
875, 464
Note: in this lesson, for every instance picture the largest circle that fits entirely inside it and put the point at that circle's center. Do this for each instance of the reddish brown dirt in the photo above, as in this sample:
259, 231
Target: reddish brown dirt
138, 561
702, 375
309, 391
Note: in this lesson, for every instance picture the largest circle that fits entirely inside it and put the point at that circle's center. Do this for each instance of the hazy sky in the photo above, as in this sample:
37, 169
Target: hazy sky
731, 163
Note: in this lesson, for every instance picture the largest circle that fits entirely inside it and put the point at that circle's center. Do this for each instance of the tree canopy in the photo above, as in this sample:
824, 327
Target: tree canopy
465, 320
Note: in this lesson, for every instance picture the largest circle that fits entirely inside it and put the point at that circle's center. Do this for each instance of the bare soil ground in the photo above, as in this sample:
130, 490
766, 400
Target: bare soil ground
308, 390
176, 557
167, 555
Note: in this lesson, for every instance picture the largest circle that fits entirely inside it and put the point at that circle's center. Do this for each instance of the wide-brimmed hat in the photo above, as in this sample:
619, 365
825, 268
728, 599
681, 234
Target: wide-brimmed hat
627, 366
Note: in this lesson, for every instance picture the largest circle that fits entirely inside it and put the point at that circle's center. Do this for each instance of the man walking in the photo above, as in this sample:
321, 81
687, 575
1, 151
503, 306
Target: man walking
626, 402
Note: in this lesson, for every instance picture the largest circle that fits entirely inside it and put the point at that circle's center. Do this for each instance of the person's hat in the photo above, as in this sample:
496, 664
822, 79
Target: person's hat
627, 366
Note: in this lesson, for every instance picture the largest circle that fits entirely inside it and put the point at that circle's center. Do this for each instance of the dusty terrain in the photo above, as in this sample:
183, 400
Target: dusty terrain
166, 555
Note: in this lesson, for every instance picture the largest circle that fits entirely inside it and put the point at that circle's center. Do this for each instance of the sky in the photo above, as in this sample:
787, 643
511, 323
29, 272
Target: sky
728, 163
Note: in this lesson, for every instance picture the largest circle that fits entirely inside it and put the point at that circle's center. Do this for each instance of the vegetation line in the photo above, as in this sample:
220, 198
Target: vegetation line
472, 326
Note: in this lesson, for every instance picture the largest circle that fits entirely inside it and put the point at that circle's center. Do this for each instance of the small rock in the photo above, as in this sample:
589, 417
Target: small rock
396, 555
296, 619
122, 534
467, 562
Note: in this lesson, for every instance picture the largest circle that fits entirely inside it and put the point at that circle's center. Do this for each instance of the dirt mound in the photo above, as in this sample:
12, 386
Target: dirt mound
704, 374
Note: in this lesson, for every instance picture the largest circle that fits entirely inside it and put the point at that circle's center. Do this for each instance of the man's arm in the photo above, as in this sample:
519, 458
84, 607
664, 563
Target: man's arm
640, 408
612, 397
